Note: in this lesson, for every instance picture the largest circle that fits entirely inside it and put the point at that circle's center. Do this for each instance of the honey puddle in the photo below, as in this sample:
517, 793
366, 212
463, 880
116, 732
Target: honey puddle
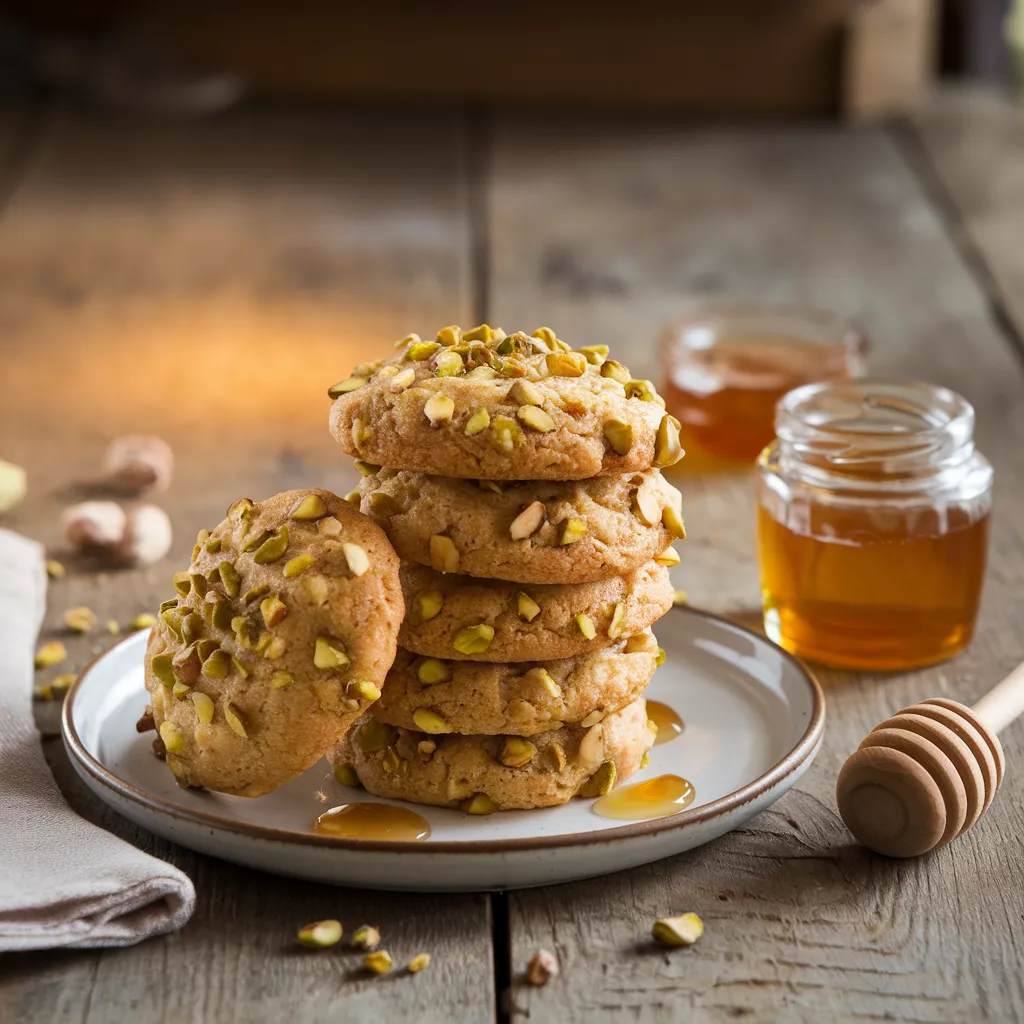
372, 821
669, 724
653, 798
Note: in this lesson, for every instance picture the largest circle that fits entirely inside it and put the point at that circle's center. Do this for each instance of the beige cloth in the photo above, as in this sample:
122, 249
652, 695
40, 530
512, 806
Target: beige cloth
63, 881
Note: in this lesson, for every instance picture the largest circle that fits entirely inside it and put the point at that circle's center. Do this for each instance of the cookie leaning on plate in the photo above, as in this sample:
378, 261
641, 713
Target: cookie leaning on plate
463, 618
481, 774
280, 637
532, 532
483, 404
467, 697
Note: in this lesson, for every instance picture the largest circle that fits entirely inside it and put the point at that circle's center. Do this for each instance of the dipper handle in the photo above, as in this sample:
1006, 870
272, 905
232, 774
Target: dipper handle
1004, 702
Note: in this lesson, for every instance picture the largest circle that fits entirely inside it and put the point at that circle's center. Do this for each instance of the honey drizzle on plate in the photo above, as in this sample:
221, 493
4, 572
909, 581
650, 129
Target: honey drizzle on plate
669, 724
653, 798
367, 820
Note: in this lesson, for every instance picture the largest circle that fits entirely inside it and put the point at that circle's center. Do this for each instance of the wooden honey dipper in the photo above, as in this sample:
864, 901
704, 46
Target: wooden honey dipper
929, 773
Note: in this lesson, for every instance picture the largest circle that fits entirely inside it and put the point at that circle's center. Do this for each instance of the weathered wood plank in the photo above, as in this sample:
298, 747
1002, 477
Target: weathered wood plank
207, 281
973, 141
612, 230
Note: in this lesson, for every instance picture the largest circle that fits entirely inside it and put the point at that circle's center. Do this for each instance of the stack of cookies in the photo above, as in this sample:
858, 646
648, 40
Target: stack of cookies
519, 481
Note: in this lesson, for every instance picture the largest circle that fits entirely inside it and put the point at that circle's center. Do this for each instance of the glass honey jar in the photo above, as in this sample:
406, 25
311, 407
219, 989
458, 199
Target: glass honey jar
725, 368
873, 521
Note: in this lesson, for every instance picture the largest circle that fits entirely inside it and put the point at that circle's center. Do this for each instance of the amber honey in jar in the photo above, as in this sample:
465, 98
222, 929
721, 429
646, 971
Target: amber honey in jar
873, 521
725, 369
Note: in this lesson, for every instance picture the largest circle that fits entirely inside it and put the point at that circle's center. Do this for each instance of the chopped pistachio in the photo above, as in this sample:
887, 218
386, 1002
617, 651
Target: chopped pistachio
113, 627
683, 930
586, 625
213, 545
523, 392
479, 420
199, 584
203, 705
450, 335
419, 351
517, 752
536, 418
329, 653
426, 747
180, 689
80, 619
481, 803
433, 670
144, 620
425, 606
345, 387
163, 669
50, 654
374, 736
668, 557
279, 680
316, 589
642, 389
229, 578
409, 339
637, 642
320, 934
221, 614
615, 370
257, 540
430, 722
382, 504
312, 506
363, 689
297, 565
601, 782
191, 627
566, 364
645, 760
527, 607
473, 639
403, 379
648, 508
420, 962
171, 735
346, 775
679, 597
482, 332
528, 522
234, 719
505, 433
273, 610
546, 335
556, 755
182, 583
596, 354
572, 530
673, 522
358, 560
240, 511
444, 556
659, 658
593, 718
366, 468
542, 968
273, 549
54, 569
439, 409
217, 665
615, 626
448, 364
667, 449
390, 762
206, 647
547, 681
619, 435
378, 962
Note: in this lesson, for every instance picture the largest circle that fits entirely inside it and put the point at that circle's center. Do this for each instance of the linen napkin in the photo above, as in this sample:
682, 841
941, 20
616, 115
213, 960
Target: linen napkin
63, 881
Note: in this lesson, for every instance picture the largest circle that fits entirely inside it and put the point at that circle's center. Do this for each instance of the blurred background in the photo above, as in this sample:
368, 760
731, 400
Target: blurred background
210, 211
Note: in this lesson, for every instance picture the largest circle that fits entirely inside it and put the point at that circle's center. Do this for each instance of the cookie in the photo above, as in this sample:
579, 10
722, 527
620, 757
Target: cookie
535, 532
463, 618
281, 635
482, 774
488, 405
522, 698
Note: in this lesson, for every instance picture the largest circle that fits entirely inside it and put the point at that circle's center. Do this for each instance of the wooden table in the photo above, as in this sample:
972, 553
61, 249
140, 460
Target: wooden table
207, 280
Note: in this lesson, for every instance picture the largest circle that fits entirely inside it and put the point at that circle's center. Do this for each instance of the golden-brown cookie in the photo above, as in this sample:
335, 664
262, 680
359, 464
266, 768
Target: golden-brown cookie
535, 532
280, 637
484, 404
522, 698
481, 774
464, 618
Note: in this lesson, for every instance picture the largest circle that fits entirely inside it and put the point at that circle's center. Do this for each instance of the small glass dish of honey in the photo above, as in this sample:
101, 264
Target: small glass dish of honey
725, 368
873, 522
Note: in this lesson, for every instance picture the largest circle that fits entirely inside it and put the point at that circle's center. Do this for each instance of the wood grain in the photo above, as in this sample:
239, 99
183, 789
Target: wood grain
619, 228
207, 281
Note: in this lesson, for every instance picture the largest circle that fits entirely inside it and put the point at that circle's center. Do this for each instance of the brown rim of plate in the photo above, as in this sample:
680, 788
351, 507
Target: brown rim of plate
805, 747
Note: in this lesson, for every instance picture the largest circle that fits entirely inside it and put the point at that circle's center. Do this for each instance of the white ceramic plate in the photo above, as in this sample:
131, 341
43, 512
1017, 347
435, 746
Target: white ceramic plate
754, 721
